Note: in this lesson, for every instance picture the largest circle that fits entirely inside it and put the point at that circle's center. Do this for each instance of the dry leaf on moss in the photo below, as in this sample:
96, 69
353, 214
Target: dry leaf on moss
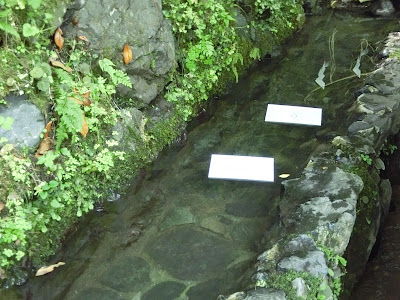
83, 38
85, 128
46, 142
59, 64
48, 269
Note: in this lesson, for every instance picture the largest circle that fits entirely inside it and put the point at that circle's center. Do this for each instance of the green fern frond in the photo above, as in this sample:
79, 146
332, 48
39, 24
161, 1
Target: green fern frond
9, 29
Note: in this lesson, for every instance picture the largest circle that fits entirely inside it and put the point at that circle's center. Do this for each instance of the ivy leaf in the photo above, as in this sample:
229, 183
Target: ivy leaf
321, 75
35, 4
44, 85
29, 30
43, 195
6, 123
36, 72
54, 203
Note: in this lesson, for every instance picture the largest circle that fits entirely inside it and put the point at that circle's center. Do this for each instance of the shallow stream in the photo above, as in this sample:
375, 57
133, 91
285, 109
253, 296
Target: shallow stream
180, 235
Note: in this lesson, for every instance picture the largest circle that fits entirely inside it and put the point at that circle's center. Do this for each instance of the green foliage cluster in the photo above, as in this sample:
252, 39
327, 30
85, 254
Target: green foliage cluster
316, 286
334, 261
209, 45
20, 16
283, 281
42, 196
278, 15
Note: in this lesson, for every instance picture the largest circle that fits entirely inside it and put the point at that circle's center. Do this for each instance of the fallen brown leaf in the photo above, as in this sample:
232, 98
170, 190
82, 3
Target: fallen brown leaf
46, 142
83, 38
48, 269
48, 128
44, 146
86, 100
284, 175
2, 205
58, 38
59, 64
85, 128
80, 102
127, 54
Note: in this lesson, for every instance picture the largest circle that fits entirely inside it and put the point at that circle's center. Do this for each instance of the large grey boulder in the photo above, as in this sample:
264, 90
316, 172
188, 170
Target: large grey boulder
28, 122
109, 25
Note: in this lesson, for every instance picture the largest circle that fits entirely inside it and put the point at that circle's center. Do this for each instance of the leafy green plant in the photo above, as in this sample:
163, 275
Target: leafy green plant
279, 15
206, 51
14, 13
6, 123
388, 148
45, 196
334, 261
366, 158
283, 281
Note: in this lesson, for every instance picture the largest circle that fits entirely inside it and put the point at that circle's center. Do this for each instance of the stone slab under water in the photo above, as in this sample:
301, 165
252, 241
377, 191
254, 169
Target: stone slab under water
241, 167
294, 114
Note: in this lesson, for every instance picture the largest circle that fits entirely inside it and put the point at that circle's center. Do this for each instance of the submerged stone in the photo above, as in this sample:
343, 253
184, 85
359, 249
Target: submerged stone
97, 294
177, 216
266, 294
206, 290
189, 253
127, 274
247, 209
167, 290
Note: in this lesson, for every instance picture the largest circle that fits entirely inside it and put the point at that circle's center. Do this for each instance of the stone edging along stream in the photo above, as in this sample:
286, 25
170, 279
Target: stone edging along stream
335, 208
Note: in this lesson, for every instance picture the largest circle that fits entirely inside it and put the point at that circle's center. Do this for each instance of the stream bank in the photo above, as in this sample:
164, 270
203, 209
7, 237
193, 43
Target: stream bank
191, 237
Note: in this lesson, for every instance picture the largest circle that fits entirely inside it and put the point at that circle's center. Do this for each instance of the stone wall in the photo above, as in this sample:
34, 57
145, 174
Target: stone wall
336, 207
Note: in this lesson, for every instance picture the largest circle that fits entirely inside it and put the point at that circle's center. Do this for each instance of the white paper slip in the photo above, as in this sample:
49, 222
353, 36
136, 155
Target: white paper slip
241, 167
293, 114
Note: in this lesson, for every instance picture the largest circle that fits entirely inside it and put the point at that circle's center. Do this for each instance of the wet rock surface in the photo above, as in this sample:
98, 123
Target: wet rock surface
126, 274
195, 235
28, 122
185, 245
322, 203
109, 25
168, 290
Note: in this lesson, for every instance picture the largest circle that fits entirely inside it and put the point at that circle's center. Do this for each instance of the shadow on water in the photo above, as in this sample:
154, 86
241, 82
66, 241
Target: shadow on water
180, 235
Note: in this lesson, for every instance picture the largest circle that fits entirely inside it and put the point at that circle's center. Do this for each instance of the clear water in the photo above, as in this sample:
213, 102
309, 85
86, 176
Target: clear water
180, 235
